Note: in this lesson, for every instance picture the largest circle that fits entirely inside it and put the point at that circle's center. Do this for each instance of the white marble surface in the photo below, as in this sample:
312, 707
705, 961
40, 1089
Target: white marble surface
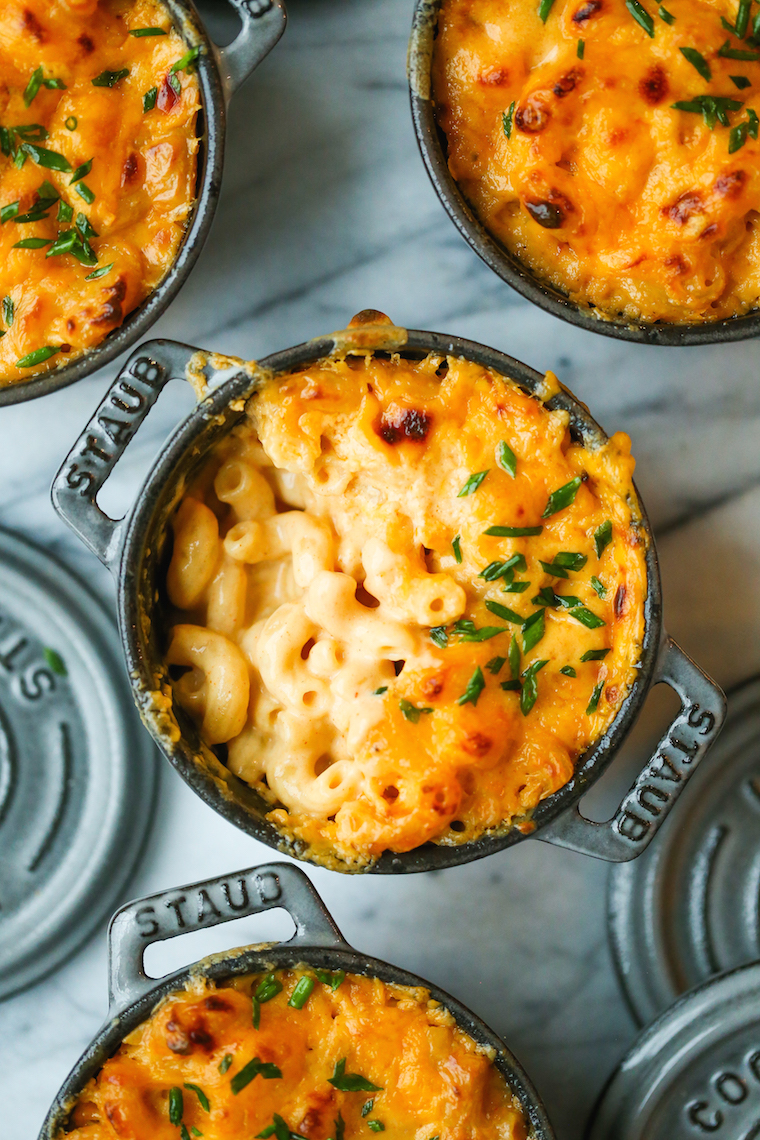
326, 210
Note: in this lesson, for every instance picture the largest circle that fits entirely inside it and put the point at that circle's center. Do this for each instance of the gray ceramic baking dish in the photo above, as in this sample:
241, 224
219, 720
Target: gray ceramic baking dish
432, 144
135, 550
220, 72
317, 943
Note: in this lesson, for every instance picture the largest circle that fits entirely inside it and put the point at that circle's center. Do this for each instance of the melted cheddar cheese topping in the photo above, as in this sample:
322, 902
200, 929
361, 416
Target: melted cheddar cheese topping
98, 155
603, 188
380, 667
192, 1066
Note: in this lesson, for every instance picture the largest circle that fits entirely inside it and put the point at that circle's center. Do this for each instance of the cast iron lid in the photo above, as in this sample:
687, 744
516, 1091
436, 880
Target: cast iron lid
77, 772
694, 1072
688, 908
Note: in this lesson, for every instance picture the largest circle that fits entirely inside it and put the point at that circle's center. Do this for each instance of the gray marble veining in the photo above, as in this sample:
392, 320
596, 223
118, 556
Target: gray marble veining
326, 209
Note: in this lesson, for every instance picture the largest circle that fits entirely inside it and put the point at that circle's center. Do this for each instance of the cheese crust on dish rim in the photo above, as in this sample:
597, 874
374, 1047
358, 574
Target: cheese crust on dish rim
380, 668
563, 137
317, 1054
108, 211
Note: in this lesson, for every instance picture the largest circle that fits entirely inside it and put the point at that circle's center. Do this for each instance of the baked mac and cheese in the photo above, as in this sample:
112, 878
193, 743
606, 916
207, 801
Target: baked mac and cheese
98, 155
405, 600
299, 1053
611, 146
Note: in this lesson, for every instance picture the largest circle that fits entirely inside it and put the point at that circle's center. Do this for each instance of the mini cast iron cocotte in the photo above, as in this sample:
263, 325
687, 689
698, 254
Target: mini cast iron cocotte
434, 150
220, 72
136, 551
317, 943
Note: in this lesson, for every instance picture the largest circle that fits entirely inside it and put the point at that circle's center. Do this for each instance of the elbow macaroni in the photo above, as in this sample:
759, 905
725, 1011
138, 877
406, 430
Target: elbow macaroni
346, 626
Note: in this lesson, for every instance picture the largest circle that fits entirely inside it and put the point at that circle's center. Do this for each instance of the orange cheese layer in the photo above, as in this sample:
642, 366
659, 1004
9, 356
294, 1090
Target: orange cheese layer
142, 179
395, 694
433, 1079
604, 189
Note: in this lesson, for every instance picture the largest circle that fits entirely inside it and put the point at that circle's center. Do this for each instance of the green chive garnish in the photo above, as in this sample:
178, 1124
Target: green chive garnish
33, 87
225, 1063
737, 137
65, 212
147, 32
301, 993
472, 483
175, 84
475, 687
203, 1099
727, 52
334, 980
411, 712
586, 617
742, 18
9, 211
55, 661
514, 658
501, 569
667, 16
32, 243
268, 987
81, 172
533, 630
278, 1128
439, 636
506, 119
467, 630
562, 497
376, 1125
377, 692
39, 356
753, 123
580, 48
697, 61
54, 84
84, 191
504, 612
149, 99
593, 704
186, 60
544, 9
529, 690
50, 159
641, 16
495, 665
176, 1106
368, 1106
712, 108
350, 1082
516, 587
8, 310
568, 671
598, 586
457, 547
602, 537
506, 457
253, 1069
71, 123
513, 531
594, 655
740, 81
110, 78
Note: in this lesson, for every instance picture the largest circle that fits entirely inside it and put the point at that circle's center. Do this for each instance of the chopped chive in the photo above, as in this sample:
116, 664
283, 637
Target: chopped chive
48, 193
8, 310
147, 32
500, 569
593, 704
50, 159
37, 215
252, 1070
376, 1125
472, 483
533, 630
586, 617
31, 132
84, 191
268, 987
174, 83
20, 159
504, 612
511, 686
737, 137
301, 993
602, 537
516, 587
278, 1128
439, 636
495, 665
742, 18
33, 86
5, 141
368, 1106
457, 547
513, 531
81, 172
32, 243
55, 661
562, 497
580, 48
350, 1082
202, 1098
183, 1132
740, 81
697, 61
84, 227
225, 1063
598, 586
514, 658
506, 119
529, 690
753, 123
544, 9
54, 84
665, 15
72, 123
176, 1105
376, 692
412, 712
9, 211
506, 457
65, 212
568, 671
594, 655
641, 16
727, 52
195, 1131
475, 687
186, 60
340, 1127
332, 980
467, 630
39, 356
110, 78
149, 99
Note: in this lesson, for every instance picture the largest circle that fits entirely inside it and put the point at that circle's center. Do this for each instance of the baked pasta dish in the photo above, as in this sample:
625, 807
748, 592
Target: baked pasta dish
299, 1055
98, 150
611, 146
403, 600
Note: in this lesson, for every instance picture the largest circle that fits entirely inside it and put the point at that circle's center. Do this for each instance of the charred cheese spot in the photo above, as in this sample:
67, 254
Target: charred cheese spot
654, 88
586, 11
